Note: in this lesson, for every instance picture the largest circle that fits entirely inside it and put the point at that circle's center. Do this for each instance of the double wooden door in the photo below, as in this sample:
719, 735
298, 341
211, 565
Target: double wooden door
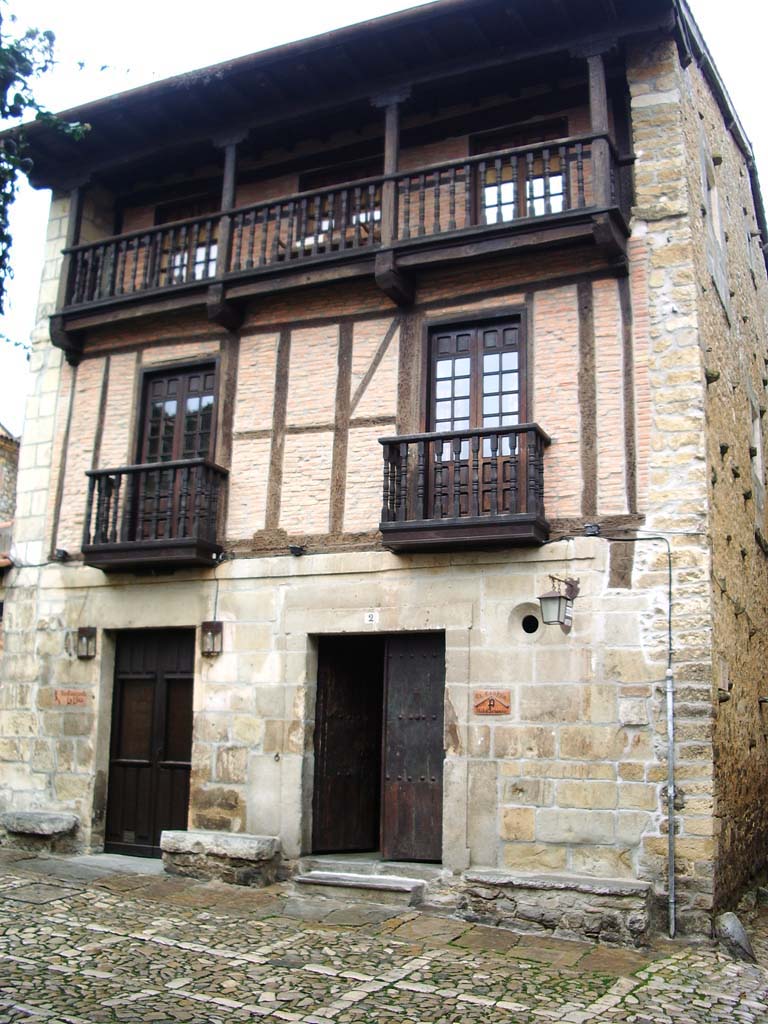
151, 741
379, 746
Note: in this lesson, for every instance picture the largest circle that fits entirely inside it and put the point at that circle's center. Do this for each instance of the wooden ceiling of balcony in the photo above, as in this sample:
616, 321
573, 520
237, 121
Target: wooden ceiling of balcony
318, 84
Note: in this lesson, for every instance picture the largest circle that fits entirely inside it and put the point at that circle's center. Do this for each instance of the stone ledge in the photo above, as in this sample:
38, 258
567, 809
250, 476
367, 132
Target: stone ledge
611, 910
39, 823
575, 883
235, 857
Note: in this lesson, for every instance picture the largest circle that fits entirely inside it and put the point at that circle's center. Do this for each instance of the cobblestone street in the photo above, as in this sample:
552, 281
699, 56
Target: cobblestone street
80, 945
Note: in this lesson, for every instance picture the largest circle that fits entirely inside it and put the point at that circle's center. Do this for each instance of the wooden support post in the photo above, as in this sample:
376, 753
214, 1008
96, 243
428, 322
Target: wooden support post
220, 310
391, 158
601, 151
74, 222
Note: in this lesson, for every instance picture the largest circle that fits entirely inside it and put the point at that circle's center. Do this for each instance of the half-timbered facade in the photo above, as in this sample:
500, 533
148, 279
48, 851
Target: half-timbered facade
344, 350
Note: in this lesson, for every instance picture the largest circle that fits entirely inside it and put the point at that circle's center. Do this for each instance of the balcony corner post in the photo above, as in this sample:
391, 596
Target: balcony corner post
601, 151
391, 105
74, 222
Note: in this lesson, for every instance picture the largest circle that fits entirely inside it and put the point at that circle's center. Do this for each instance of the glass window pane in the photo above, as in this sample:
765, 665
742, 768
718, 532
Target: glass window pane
490, 362
510, 419
490, 404
509, 382
461, 408
443, 410
461, 387
461, 424
490, 421
443, 389
444, 368
509, 403
509, 361
461, 368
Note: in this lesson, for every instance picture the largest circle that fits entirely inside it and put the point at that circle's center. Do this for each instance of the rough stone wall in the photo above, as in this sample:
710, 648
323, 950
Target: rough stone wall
733, 340
673, 469
9, 468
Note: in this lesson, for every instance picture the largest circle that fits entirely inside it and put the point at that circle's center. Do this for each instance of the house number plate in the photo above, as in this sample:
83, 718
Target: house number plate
370, 618
491, 702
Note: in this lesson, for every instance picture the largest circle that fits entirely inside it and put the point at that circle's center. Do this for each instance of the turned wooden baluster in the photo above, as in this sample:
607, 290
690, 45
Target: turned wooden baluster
580, 175
385, 507
356, 215
475, 476
422, 196
565, 174
405, 206
547, 184
436, 204
452, 199
529, 190
482, 170
456, 477
264, 236
494, 443
532, 501
237, 227
89, 511
420, 479
513, 473
468, 182
344, 226
115, 507
499, 196
120, 268
402, 497
371, 214
316, 216
515, 188
276, 232
291, 224
437, 511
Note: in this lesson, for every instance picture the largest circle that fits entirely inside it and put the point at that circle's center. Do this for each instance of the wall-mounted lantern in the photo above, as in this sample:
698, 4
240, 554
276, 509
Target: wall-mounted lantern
557, 603
86, 642
211, 638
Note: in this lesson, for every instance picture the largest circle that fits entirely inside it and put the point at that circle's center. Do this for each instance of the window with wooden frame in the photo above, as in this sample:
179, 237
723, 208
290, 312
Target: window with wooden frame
477, 383
191, 254
177, 425
531, 185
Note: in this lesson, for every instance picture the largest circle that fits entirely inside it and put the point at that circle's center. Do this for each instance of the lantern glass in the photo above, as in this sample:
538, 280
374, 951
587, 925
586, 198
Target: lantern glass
553, 607
86, 642
211, 636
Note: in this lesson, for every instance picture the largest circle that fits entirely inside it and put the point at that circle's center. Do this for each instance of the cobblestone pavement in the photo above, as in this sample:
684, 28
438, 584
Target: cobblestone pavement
83, 949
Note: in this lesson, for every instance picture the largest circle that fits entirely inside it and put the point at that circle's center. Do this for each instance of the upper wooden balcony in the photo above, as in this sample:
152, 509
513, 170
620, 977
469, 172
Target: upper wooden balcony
564, 191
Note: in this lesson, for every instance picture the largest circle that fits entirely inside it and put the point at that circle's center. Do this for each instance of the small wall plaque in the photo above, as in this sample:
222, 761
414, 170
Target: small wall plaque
491, 702
371, 618
70, 698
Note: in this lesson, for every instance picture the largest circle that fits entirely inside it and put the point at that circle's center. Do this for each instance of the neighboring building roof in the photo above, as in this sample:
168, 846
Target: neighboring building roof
6, 435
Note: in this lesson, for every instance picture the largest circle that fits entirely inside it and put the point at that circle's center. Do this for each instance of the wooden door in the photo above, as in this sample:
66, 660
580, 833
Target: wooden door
412, 787
178, 423
477, 381
348, 744
151, 744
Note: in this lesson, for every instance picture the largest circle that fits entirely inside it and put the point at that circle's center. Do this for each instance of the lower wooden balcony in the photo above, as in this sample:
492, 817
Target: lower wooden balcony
161, 515
464, 489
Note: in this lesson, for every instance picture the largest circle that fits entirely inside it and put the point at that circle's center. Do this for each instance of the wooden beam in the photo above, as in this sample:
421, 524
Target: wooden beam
390, 279
74, 222
222, 310
598, 107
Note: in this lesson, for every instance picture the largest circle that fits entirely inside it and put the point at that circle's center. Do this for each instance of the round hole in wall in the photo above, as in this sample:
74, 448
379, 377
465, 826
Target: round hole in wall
530, 624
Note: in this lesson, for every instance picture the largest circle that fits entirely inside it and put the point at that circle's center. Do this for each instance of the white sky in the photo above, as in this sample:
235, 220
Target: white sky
152, 39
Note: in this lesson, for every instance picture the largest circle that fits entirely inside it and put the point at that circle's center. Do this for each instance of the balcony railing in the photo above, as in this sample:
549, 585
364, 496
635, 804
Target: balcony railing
508, 190
483, 486
155, 514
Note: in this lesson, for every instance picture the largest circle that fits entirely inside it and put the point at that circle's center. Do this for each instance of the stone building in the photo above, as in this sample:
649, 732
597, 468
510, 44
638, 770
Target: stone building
9, 465
354, 344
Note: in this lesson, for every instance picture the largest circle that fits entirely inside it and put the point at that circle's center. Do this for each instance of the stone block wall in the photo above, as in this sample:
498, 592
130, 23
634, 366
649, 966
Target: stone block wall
732, 299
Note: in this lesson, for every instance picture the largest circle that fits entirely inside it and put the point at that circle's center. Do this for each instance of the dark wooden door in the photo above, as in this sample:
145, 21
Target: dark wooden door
476, 381
348, 744
151, 744
412, 787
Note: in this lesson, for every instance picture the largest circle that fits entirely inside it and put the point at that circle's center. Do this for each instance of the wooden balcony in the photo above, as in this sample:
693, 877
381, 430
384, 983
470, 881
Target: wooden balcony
555, 193
464, 488
158, 515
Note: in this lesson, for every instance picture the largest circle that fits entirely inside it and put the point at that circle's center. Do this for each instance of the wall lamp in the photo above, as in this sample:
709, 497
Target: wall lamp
86, 642
211, 638
557, 603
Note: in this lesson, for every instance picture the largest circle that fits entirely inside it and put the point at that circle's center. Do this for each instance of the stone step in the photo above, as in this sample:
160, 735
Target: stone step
356, 865
392, 890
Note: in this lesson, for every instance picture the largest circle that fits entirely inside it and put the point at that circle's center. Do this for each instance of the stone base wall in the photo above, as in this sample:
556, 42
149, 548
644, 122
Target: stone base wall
562, 906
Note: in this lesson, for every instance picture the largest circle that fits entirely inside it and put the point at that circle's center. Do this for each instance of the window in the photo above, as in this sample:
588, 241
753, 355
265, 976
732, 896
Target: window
477, 381
531, 185
189, 253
